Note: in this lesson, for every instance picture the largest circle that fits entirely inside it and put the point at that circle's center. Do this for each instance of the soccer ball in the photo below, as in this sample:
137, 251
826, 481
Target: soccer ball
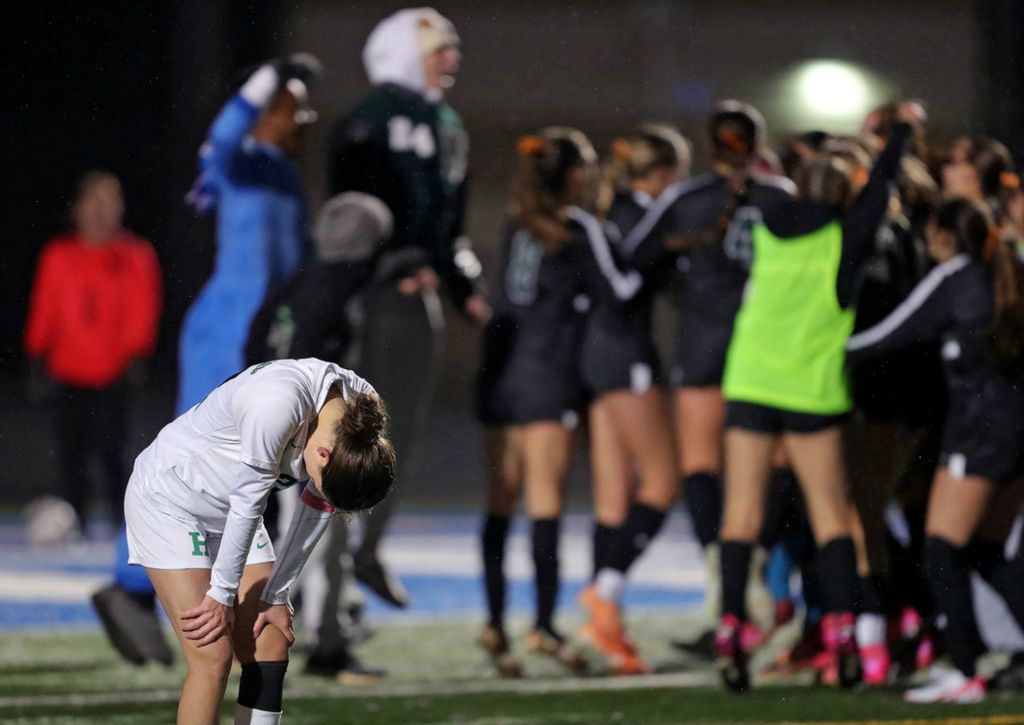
50, 521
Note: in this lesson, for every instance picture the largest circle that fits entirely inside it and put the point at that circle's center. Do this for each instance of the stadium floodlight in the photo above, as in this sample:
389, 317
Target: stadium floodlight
833, 88
828, 94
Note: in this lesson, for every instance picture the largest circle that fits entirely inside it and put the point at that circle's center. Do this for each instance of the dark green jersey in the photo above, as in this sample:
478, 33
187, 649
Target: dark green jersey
412, 154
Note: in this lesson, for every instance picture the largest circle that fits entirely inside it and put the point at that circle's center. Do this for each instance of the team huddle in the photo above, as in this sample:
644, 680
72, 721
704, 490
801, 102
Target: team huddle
847, 352
771, 260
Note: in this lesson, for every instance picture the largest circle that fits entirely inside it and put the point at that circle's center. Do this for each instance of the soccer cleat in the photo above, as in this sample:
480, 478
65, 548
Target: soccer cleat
342, 665
842, 666
370, 572
132, 627
948, 686
925, 655
802, 655
606, 632
876, 662
494, 642
703, 646
541, 642
731, 657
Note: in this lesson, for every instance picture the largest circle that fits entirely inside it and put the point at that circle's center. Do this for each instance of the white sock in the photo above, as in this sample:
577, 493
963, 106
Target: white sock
609, 585
870, 629
247, 716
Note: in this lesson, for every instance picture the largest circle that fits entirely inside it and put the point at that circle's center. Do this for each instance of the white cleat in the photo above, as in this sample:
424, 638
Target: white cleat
948, 686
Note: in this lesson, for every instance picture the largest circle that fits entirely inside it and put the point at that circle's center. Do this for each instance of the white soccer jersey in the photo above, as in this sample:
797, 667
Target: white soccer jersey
219, 461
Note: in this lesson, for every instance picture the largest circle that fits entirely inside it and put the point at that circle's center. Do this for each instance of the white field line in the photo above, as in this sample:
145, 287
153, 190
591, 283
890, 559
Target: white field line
50, 587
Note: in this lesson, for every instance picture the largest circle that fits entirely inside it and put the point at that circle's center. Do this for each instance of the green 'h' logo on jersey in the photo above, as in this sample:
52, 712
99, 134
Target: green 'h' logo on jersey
199, 547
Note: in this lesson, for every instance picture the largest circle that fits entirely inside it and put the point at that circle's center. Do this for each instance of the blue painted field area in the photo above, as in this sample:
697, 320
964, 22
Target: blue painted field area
436, 556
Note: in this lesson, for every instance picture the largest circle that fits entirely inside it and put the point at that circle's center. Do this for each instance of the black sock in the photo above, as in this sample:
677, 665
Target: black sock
545, 567
735, 565
641, 526
262, 685
872, 595
782, 486
837, 574
1005, 575
950, 580
703, 495
604, 542
492, 540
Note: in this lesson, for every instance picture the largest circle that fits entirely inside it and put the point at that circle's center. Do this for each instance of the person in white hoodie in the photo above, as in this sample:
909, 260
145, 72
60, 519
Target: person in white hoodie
405, 147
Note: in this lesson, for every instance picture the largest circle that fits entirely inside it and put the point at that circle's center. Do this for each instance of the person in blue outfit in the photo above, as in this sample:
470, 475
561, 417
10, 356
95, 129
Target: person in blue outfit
247, 177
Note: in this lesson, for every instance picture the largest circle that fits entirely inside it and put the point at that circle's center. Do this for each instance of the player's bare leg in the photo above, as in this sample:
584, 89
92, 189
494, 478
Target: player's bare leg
180, 590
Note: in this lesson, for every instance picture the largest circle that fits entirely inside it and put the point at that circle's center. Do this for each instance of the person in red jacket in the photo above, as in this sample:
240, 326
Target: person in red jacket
94, 311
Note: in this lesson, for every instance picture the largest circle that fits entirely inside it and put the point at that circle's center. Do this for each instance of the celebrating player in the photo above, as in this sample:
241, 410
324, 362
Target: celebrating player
807, 261
630, 427
972, 302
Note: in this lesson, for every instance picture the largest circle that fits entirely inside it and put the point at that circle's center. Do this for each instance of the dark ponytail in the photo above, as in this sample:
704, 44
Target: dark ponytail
361, 471
541, 188
1008, 289
975, 235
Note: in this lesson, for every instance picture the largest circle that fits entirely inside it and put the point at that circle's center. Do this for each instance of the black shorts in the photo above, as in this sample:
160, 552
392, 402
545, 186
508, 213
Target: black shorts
983, 434
623, 361
701, 346
517, 386
765, 419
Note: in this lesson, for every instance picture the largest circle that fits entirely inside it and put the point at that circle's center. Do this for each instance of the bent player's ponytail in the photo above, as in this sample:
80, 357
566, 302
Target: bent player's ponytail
547, 182
361, 470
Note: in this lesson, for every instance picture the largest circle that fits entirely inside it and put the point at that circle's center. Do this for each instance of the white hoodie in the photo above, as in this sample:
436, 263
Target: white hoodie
392, 52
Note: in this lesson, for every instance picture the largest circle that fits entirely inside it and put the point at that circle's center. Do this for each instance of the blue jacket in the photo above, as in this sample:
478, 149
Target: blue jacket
261, 217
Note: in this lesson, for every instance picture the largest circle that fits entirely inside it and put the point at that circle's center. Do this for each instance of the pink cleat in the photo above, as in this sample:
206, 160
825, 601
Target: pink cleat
876, 662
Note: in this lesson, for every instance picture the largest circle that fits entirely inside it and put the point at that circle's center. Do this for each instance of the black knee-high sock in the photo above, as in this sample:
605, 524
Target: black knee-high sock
783, 486
642, 524
703, 495
949, 577
545, 567
492, 539
1005, 575
604, 542
735, 566
837, 573
872, 595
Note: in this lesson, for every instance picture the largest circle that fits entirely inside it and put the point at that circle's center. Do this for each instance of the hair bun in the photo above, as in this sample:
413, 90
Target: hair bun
364, 422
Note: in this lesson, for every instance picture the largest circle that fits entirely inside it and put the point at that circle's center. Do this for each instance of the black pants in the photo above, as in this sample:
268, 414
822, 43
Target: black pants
91, 423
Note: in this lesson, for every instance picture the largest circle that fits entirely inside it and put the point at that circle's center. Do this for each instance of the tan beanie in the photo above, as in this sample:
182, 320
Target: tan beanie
434, 31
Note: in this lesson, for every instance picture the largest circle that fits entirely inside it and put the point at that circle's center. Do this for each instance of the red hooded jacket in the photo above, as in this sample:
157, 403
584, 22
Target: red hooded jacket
95, 308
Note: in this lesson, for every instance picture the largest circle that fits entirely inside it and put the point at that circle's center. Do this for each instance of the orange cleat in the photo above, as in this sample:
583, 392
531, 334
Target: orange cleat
604, 630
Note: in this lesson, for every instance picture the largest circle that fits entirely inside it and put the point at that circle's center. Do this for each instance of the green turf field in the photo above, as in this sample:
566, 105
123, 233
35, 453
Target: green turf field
438, 676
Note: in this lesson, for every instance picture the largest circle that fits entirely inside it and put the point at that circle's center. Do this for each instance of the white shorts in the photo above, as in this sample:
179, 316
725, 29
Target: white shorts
160, 540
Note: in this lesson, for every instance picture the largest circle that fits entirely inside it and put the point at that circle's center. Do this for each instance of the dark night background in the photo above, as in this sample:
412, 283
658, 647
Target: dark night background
132, 86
